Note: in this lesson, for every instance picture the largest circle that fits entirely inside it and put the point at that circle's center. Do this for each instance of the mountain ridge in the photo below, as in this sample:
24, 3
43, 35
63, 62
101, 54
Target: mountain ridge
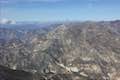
90, 49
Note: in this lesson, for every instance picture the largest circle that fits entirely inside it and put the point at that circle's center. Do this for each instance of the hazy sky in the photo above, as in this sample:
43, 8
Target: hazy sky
60, 10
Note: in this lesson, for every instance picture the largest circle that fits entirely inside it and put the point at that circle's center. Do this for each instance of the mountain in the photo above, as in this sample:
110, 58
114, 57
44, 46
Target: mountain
66, 51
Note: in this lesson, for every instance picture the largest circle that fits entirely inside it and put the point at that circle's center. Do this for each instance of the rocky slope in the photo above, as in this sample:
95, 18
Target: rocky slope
68, 51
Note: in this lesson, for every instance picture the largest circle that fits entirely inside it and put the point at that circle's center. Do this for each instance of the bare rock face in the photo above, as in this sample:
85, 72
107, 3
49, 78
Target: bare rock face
70, 51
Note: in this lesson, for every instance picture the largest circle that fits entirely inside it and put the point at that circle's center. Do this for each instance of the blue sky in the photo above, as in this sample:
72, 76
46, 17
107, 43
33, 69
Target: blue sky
60, 10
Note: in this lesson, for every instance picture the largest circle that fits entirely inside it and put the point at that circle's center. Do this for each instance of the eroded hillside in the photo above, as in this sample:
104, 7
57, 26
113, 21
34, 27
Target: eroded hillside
68, 51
